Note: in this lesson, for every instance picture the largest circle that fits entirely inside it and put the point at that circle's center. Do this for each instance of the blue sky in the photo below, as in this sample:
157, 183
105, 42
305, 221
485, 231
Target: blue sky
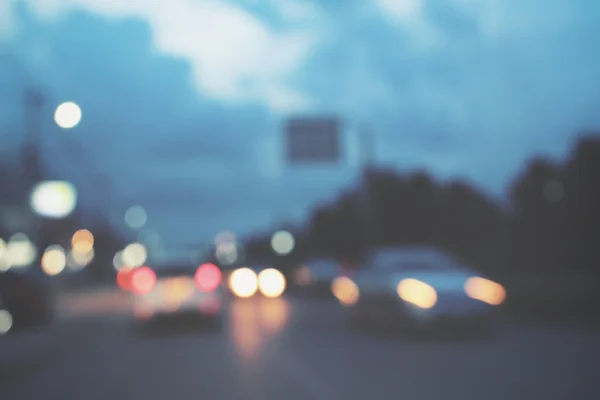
183, 99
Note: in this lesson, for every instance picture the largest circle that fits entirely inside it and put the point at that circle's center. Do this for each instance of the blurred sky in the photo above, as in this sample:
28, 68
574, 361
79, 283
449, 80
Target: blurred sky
183, 99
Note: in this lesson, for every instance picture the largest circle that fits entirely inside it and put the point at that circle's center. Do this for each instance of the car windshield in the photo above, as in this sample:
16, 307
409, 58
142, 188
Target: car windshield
329, 141
421, 259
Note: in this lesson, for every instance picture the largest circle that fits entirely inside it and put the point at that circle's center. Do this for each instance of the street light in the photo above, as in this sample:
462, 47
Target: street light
136, 217
67, 115
54, 199
282, 242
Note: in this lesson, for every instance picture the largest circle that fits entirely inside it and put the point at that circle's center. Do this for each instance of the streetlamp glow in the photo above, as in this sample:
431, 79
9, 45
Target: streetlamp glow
67, 115
54, 199
282, 242
136, 217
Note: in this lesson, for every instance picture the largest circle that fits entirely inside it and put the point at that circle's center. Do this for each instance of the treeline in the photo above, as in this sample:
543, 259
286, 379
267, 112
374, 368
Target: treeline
550, 224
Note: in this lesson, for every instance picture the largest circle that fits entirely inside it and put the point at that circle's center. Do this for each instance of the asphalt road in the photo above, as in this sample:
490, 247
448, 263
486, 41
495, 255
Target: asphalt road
294, 349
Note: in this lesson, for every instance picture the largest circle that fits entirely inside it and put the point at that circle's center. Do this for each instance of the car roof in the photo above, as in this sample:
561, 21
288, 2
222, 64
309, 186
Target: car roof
416, 254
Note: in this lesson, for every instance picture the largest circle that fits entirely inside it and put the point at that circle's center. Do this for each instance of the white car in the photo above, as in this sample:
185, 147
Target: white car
417, 287
177, 289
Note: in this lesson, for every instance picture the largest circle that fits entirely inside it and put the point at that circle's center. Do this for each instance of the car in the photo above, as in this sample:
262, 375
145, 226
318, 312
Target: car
315, 276
418, 287
170, 290
257, 280
28, 296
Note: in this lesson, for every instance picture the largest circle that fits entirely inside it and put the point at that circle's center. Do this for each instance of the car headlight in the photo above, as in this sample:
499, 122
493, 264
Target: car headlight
345, 290
417, 292
243, 282
271, 282
485, 290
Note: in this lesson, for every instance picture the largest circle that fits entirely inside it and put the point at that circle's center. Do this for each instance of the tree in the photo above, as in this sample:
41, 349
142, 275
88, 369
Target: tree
538, 213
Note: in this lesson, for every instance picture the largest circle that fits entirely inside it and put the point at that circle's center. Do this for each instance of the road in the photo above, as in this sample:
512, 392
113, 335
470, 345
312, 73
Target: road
296, 349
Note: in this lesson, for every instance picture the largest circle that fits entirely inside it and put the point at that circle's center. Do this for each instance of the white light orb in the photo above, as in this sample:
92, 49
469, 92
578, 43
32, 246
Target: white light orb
282, 242
67, 115
53, 199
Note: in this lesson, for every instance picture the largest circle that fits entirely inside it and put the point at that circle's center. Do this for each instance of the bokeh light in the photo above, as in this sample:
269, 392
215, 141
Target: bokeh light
82, 241
418, 293
282, 242
227, 253
53, 199
5, 262
243, 282
208, 277
142, 280
136, 217
54, 260
271, 282
6, 321
20, 251
77, 260
67, 115
225, 237
124, 278
118, 263
71, 262
485, 290
134, 255
345, 290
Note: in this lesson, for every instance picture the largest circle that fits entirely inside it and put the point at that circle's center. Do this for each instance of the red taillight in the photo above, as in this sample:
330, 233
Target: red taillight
208, 277
143, 280
123, 279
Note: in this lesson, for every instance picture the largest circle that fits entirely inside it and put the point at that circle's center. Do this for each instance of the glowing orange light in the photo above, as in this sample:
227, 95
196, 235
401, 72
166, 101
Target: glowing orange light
418, 293
83, 241
485, 290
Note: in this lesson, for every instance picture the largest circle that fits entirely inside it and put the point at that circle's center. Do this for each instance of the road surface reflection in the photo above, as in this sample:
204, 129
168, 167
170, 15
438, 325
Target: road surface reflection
256, 321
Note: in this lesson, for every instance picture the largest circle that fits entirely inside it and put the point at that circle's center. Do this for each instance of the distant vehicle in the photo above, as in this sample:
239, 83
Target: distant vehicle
315, 276
29, 296
177, 289
419, 288
257, 280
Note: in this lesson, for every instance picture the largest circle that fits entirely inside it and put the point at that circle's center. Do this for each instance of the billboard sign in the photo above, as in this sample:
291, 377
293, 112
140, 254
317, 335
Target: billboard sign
313, 139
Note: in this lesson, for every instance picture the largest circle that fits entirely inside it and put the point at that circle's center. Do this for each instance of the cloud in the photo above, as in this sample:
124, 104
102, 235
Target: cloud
226, 46
481, 77
6, 21
182, 153
193, 91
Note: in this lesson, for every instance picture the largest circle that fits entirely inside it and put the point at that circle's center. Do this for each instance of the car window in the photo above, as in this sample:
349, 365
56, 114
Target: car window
427, 260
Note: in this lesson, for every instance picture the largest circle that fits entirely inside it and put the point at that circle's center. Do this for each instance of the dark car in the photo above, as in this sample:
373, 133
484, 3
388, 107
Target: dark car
29, 296
176, 289
315, 276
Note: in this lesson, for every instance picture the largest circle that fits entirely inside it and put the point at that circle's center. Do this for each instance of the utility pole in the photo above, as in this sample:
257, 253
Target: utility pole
365, 200
32, 126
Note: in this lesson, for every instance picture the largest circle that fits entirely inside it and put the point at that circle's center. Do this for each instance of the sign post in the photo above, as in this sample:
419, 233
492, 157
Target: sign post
317, 140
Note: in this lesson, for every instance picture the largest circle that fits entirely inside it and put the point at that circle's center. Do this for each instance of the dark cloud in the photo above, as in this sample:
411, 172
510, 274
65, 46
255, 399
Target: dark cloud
465, 83
460, 92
